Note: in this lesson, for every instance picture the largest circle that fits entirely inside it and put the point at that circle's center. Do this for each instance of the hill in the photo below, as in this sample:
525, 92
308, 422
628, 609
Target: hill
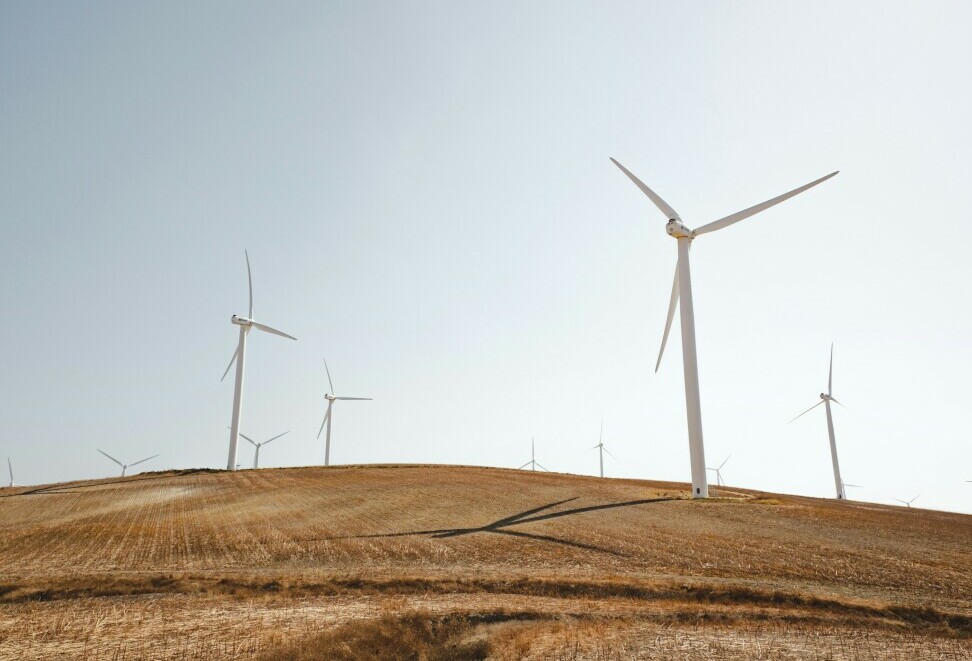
466, 562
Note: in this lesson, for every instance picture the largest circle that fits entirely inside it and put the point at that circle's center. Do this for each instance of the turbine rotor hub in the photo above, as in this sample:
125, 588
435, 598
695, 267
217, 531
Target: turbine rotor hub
677, 229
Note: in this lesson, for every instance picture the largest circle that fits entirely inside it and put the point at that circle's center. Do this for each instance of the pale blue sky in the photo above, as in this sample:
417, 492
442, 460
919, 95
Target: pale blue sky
426, 195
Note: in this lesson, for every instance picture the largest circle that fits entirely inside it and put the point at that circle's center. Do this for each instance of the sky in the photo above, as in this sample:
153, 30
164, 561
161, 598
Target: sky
426, 195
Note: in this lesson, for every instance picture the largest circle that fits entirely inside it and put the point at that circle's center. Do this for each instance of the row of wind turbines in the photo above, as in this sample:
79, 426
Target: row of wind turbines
681, 297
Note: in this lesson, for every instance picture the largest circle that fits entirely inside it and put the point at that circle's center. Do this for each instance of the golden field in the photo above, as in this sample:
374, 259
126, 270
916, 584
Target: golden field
452, 562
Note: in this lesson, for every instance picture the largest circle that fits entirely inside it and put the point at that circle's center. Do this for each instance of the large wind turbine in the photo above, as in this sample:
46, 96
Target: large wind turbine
600, 447
256, 455
10, 468
533, 463
825, 399
682, 288
327, 415
239, 356
125, 467
718, 472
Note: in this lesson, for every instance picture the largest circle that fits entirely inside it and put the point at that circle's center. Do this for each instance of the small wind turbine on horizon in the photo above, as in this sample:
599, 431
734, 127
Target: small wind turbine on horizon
907, 503
125, 467
239, 357
682, 289
256, 455
601, 448
825, 399
10, 468
718, 472
327, 415
533, 463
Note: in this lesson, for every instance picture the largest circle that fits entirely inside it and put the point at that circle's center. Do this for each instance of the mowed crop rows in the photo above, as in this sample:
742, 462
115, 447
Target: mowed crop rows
306, 538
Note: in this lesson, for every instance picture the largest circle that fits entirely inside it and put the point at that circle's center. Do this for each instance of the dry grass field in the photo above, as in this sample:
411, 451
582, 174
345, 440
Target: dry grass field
447, 562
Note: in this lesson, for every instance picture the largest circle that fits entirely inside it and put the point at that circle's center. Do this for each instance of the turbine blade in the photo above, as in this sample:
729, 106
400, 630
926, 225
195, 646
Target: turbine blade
600, 437
245, 437
836, 402
232, 360
610, 453
359, 399
249, 280
830, 377
112, 458
277, 436
763, 206
809, 409
267, 329
324, 421
329, 382
671, 315
724, 462
538, 464
141, 461
856, 486
669, 212
525, 465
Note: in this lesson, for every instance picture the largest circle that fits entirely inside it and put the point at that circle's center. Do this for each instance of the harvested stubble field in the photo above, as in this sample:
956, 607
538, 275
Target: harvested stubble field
448, 562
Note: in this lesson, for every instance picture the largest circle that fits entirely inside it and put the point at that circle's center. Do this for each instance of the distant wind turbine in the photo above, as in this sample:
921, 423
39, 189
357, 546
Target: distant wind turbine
825, 399
533, 463
327, 415
907, 503
718, 472
125, 467
601, 448
256, 456
239, 356
10, 468
682, 288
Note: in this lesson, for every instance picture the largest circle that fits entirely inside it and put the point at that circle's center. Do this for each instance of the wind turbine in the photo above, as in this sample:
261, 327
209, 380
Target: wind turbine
256, 456
533, 463
601, 448
825, 399
718, 472
125, 467
10, 468
907, 503
239, 356
682, 288
327, 416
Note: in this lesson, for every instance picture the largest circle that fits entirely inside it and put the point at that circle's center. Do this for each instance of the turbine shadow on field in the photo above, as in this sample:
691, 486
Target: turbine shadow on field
527, 516
74, 488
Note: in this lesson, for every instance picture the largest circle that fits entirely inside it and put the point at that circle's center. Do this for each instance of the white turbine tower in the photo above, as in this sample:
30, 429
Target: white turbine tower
682, 288
125, 467
239, 356
533, 463
825, 399
601, 449
718, 472
907, 503
10, 468
327, 415
256, 456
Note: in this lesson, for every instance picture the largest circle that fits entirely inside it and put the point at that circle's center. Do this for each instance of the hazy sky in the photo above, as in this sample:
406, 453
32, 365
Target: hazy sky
425, 192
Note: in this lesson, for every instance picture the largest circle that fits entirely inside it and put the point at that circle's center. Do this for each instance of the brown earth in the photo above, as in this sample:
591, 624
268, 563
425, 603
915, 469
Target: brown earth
463, 562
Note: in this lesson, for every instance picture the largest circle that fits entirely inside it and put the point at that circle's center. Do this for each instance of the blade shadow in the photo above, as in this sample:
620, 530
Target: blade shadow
500, 526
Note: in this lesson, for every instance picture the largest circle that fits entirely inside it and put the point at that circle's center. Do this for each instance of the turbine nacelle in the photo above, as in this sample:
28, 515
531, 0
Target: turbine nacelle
677, 229
241, 321
824, 396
